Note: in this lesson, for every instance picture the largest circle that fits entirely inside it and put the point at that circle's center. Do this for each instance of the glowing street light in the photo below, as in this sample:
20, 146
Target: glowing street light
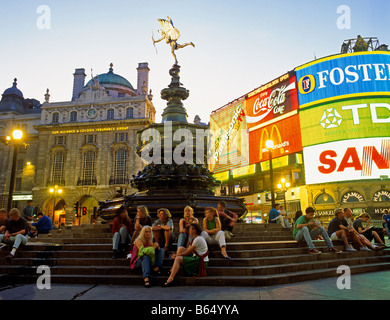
17, 136
55, 191
270, 146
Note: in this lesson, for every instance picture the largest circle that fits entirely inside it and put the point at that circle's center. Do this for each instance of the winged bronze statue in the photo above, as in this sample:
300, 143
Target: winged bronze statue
171, 35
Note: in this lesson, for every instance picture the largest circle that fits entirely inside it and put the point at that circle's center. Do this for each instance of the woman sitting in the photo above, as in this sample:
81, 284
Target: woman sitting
141, 219
212, 230
194, 258
368, 232
122, 229
184, 225
163, 228
146, 255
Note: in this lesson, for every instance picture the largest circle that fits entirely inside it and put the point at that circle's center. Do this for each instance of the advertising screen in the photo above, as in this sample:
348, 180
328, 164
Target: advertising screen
275, 99
285, 134
346, 160
343, 76
348, 119
229, 138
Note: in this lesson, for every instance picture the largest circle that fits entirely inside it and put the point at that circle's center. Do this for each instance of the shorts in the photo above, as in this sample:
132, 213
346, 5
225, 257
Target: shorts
334, 236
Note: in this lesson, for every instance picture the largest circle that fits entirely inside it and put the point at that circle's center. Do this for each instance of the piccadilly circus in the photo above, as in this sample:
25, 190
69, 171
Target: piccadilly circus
328, 120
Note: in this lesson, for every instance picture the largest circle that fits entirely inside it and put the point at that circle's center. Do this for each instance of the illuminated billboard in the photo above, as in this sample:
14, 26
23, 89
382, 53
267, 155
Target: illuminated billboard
348, 119
286, 135
229, 138
343, 76
356, 159
272, 101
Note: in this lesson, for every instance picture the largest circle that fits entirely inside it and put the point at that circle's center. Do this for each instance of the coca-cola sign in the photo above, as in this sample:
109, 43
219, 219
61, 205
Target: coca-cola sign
272, 100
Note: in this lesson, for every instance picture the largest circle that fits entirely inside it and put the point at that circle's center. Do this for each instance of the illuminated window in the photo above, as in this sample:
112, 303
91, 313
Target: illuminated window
324, 198
57, 169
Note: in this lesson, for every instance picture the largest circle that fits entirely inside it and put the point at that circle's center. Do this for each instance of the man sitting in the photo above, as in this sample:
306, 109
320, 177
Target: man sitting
275, 216
306, 228
16, 230
228, 219
44, 224
338, 229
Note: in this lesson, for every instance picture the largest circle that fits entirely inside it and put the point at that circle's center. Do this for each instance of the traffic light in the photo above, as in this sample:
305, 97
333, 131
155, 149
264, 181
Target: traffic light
76, 208
84, 211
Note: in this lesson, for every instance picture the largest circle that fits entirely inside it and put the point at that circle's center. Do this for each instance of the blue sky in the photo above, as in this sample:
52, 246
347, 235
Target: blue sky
240, 45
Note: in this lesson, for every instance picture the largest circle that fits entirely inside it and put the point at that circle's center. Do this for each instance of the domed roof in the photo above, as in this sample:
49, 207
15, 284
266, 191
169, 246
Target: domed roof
110, 78
13, 90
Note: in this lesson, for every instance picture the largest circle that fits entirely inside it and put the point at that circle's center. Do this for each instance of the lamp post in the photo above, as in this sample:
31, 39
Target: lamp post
270, 146
283, 186
55, 191
15, 139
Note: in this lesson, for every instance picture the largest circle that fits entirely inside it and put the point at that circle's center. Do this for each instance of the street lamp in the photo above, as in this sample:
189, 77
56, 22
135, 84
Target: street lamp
15, 140
55, 191
283, 186
270, 146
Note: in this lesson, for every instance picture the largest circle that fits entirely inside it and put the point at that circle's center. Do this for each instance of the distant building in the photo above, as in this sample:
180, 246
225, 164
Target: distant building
87, 146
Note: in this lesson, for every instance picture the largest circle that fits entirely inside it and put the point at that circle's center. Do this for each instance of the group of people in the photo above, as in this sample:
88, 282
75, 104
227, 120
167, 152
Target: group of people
17, 227
352, 232
149, 242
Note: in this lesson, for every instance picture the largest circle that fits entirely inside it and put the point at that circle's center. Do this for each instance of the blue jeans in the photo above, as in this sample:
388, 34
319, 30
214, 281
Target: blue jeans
16, 241
145, 264
387, 227
182, 240
120, 237
305, 234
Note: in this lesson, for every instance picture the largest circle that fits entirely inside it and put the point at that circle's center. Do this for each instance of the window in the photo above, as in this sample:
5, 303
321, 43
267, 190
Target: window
90, 138
57, 171
120, 164
122, 136
73, 116
89, 168
110, 114
60, 140
56, 117
129, 113
18, 184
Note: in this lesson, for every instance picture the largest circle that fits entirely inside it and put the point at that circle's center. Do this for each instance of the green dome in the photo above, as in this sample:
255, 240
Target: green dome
111, 78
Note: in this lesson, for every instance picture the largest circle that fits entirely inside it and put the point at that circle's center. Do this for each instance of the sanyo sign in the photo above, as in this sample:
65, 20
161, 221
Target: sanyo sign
355, 159
343, 76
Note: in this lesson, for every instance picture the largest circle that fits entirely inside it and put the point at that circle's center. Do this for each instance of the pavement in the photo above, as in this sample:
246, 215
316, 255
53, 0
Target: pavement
368, 286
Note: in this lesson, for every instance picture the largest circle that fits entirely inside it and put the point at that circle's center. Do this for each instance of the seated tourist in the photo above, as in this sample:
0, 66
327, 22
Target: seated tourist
338, 229
194, 258
163, 228
367, 231
212, 230
184, 225
43, 225
228, 219
141, 219
122, 229
307, 229
16, 230
147, 254
275, 216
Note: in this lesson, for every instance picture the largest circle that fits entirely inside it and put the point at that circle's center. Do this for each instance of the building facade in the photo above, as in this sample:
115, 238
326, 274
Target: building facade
85, 148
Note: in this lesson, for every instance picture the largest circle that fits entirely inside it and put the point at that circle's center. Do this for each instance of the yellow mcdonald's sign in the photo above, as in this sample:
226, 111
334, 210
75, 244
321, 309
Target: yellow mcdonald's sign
275, 136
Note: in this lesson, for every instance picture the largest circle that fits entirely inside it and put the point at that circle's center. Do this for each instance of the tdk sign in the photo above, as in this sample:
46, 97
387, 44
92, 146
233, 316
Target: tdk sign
343, 76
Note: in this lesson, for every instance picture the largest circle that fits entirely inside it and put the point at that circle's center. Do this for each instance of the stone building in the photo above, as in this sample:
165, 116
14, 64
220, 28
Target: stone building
85, 149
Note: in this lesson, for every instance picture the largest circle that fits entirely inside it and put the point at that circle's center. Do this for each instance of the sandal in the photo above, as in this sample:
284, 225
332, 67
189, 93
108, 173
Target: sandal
147, 284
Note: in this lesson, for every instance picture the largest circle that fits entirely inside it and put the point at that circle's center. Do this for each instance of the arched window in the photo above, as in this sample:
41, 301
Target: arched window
324, 198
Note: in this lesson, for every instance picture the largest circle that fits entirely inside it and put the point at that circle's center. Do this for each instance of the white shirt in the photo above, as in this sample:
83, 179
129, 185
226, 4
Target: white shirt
201, 246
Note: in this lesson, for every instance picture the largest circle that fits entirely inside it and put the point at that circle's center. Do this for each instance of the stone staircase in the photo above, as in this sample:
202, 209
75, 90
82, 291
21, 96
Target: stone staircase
262, 255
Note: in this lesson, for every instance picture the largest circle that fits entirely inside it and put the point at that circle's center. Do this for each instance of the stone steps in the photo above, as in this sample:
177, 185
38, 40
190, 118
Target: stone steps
262, 255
